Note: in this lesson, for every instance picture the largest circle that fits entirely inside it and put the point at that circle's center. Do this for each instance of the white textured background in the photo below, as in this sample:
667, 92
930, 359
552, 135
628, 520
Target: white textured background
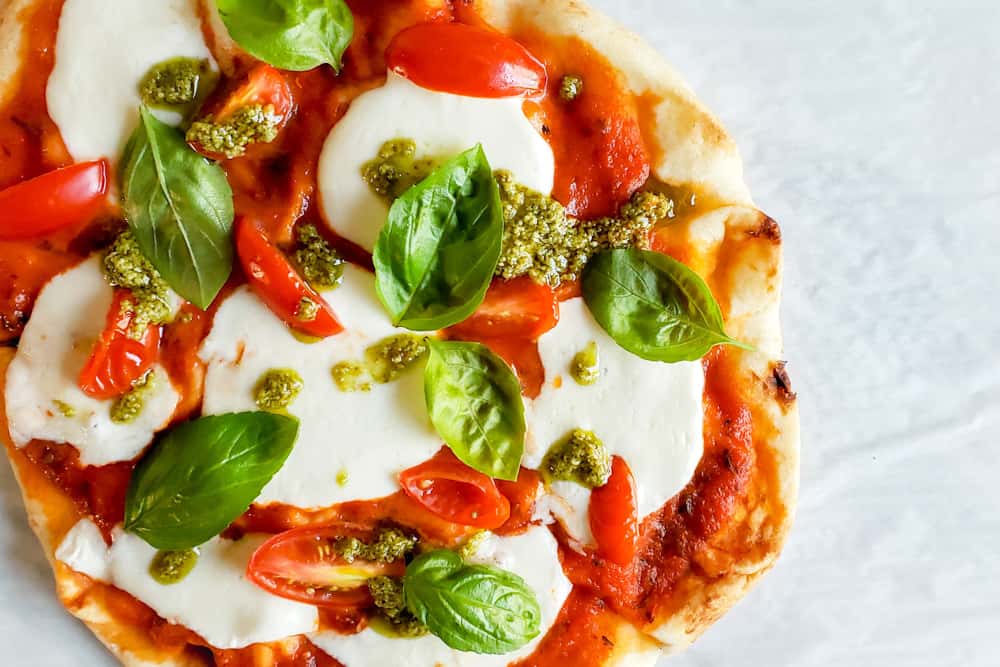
871, 131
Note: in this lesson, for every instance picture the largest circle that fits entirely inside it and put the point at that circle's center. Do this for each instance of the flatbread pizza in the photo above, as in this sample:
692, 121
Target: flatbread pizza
408, 332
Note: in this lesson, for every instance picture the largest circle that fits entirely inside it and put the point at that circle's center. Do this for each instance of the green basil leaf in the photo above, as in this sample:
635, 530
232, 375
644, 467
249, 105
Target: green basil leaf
290, 34
179, 206
204, 474
475, 608
653, 306
435, 257
474, 401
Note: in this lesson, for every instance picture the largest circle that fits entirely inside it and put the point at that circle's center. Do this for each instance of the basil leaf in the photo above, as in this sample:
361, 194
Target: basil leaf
653, 306
435, 257
203, 475
474, 401
475, 608
290, 34
179, 206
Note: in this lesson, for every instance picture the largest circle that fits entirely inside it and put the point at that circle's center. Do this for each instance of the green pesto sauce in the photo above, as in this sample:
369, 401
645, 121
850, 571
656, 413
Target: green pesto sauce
393, 356
472, 545
343, 477
580, 457
542, 241
396, 620
126, 267
171, 567
351, 376
585, 368
570, 87
307, 310
65, 409
173, 83
395, 169
322, 267
250, 125
127, 407
277, 388
391, 545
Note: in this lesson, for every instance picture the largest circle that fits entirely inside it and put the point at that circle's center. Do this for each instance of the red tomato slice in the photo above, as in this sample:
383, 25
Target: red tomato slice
523, 357
118, 360
275, 281
519, 308
49, 202
465, 60
301, 565
614, 515
454, 491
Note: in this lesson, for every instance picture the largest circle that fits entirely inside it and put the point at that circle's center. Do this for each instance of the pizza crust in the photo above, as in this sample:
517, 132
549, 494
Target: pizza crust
694, 149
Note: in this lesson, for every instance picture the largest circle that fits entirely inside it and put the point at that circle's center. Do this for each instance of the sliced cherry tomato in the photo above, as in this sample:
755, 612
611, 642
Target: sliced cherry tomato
275, 281
519, 308
302, 565
49, 202
454, 491
614, 515
118, 360
465, 60
24, 270
522, 495
524, 358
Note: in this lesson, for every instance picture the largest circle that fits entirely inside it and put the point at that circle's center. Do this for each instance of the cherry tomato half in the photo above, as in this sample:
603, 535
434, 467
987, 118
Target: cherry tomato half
454, 491
302, 565
524, 358
275, 281
614, 515
519, 308
465, 60
118, 360
49, 202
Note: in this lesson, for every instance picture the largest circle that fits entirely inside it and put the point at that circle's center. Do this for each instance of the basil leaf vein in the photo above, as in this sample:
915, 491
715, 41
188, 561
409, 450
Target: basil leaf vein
204, 474
179, 206
653, 306
294, 35
476, 608
436, 255
474, 401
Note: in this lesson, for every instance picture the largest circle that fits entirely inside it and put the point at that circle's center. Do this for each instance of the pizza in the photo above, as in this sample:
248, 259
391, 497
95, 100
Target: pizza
411, 332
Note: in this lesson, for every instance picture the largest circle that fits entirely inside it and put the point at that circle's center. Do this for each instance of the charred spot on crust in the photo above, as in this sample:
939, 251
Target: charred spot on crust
607, 642
768, 229
780, 383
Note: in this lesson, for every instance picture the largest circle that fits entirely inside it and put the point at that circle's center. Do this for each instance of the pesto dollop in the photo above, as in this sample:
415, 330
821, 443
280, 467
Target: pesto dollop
472, 545
395, 169
320, 264
127, 407
171, 567
387, 592
351, 376
126, 267
64, 408
391, 545
173, 83
230, 137
277, 388
585, 368
580, 457
570, 87
393, 356
307, 310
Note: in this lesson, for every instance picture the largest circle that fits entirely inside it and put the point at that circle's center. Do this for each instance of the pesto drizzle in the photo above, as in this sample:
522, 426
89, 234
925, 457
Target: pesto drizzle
580, 457
127, 407
126, 267
171, 567
277, 389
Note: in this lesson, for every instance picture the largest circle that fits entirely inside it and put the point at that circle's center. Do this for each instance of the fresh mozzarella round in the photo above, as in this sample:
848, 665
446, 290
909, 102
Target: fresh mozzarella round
103, 50
215, 600
534, 556
43, 399
442, 125
649, 413
367, 437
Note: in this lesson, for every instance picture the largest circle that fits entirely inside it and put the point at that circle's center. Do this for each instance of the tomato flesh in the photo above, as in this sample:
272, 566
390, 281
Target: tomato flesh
452, 490
519, 308
465, 60
302, 565
614, 519
61, 198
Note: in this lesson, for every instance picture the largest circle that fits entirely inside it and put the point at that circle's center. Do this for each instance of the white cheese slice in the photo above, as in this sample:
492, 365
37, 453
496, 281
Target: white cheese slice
649, 413
371, 436
442, 125
534, 556
215, 600
68, 318
103, 50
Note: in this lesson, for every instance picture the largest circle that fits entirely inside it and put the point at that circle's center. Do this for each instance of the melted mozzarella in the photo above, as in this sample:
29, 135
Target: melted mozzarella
534, 556
68, 318
442, 125
648, 413
103, 50
372, 436
215, 600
